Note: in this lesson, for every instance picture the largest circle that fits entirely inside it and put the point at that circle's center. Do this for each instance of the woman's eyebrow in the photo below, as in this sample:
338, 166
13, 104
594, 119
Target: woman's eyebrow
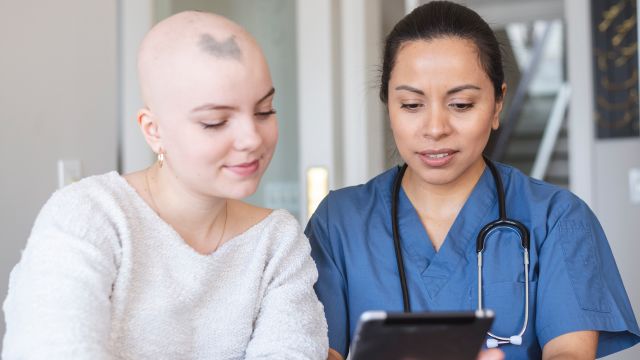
462, 87
410, 88
449, 92
269, 93
211, 106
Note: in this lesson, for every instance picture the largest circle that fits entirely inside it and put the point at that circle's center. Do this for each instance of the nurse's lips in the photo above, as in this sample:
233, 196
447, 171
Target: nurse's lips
438, 157
244, 169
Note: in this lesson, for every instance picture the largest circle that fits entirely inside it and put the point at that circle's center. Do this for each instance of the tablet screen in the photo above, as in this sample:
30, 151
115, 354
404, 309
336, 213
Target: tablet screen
420, 336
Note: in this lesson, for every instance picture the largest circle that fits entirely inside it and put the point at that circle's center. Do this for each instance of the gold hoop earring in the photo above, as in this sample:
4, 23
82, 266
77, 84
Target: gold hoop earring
160, 158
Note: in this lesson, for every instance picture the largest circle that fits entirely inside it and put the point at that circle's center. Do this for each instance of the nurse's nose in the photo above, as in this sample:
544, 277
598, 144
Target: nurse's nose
247, 134
436, 122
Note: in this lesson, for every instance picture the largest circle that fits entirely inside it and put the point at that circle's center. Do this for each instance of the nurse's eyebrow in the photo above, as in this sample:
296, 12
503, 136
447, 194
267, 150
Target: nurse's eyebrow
449, 92
462, 87
410, 88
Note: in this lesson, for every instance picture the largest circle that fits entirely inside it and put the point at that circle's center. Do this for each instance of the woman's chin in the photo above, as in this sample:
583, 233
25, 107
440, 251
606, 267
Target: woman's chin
241, 191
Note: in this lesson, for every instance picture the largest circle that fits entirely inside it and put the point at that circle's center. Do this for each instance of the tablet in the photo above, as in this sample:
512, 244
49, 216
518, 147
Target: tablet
420, 336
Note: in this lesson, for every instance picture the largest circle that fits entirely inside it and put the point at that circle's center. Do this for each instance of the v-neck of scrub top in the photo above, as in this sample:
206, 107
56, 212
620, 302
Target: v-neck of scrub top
435, 268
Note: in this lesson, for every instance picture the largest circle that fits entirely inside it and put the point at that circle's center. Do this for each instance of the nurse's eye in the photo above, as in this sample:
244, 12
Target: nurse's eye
461, 106
212, 125
265, 114
411, 107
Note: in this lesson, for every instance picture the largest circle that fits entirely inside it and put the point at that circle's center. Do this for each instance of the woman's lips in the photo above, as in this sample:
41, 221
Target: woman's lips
437, 158
245, 169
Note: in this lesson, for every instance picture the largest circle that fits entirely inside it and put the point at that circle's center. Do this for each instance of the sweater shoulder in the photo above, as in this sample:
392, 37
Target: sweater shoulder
280, 226
93, 205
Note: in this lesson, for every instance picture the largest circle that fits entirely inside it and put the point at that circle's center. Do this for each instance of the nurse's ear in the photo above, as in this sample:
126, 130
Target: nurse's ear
495, 122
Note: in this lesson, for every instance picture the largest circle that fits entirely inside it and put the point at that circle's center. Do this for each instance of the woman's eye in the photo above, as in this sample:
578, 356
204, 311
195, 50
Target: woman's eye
212, 125
411, 106
265, 114
461, 106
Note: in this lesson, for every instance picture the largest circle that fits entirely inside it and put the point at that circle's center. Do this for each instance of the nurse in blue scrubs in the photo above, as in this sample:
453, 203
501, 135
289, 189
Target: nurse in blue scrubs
443, 85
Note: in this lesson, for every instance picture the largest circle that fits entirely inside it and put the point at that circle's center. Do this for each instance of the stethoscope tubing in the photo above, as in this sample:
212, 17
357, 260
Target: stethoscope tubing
501, 222
396, 239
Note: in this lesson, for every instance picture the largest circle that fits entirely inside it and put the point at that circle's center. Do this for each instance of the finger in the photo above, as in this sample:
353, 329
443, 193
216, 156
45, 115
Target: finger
491, 354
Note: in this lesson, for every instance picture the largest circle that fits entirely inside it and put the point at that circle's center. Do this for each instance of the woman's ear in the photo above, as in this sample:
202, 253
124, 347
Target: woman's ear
495, 122
149, 126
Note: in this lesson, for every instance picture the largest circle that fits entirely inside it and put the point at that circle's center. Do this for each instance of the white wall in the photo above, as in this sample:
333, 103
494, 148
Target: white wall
317, 28
619, 217
57, 100
499, 13
341, 120
134, 19
361, 41
580, 122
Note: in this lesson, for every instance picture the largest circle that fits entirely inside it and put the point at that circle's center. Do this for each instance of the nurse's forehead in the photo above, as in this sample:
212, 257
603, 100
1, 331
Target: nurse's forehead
445, 57
450, 64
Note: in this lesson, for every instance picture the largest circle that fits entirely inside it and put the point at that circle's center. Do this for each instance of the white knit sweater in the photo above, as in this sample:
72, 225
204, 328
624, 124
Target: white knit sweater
103, 277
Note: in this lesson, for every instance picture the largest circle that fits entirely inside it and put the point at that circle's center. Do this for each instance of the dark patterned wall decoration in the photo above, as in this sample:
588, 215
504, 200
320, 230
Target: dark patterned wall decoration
615, 43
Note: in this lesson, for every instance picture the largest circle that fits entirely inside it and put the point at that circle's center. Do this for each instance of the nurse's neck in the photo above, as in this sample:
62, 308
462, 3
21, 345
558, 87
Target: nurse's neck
438, 201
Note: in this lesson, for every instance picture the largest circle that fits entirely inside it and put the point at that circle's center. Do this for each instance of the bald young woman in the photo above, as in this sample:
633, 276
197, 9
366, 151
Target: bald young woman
168, 262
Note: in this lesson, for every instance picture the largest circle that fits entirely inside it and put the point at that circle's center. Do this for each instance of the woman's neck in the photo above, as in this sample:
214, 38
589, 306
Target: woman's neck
441, 201
197, 218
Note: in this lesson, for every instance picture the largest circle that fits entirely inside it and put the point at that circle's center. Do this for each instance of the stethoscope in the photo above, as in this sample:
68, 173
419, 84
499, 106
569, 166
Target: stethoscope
501, 222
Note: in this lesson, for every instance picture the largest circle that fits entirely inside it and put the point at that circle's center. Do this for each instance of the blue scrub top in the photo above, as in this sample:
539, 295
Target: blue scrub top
574, 282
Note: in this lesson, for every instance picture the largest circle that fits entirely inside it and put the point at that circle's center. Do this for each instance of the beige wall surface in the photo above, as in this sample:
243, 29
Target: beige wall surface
58, 100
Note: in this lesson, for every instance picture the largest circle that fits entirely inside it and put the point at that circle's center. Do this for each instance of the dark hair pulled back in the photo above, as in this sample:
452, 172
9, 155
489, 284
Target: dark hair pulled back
441, 19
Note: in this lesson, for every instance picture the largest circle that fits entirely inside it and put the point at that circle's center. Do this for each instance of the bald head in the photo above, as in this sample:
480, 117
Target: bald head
229, 48
173, 47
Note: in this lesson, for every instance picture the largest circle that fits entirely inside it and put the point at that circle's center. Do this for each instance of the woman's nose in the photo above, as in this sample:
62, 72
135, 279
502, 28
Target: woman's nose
247, 135
436, 122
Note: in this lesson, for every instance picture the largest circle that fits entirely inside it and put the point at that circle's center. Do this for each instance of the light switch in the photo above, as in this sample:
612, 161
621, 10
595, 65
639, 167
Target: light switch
634, 185
69, 171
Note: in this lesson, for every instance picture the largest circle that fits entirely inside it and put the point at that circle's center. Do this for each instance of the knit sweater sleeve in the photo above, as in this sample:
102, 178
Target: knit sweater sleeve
291, 322
58, 303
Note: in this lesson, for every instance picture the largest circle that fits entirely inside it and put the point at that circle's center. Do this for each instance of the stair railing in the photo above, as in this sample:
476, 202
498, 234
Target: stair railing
551, 132
512, 117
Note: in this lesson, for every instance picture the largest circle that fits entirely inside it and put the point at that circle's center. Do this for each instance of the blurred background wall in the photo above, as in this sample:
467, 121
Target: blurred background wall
58, 100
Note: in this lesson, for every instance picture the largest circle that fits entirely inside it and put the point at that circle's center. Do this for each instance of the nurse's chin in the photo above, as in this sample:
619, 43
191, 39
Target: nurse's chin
435, 176
438, 182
